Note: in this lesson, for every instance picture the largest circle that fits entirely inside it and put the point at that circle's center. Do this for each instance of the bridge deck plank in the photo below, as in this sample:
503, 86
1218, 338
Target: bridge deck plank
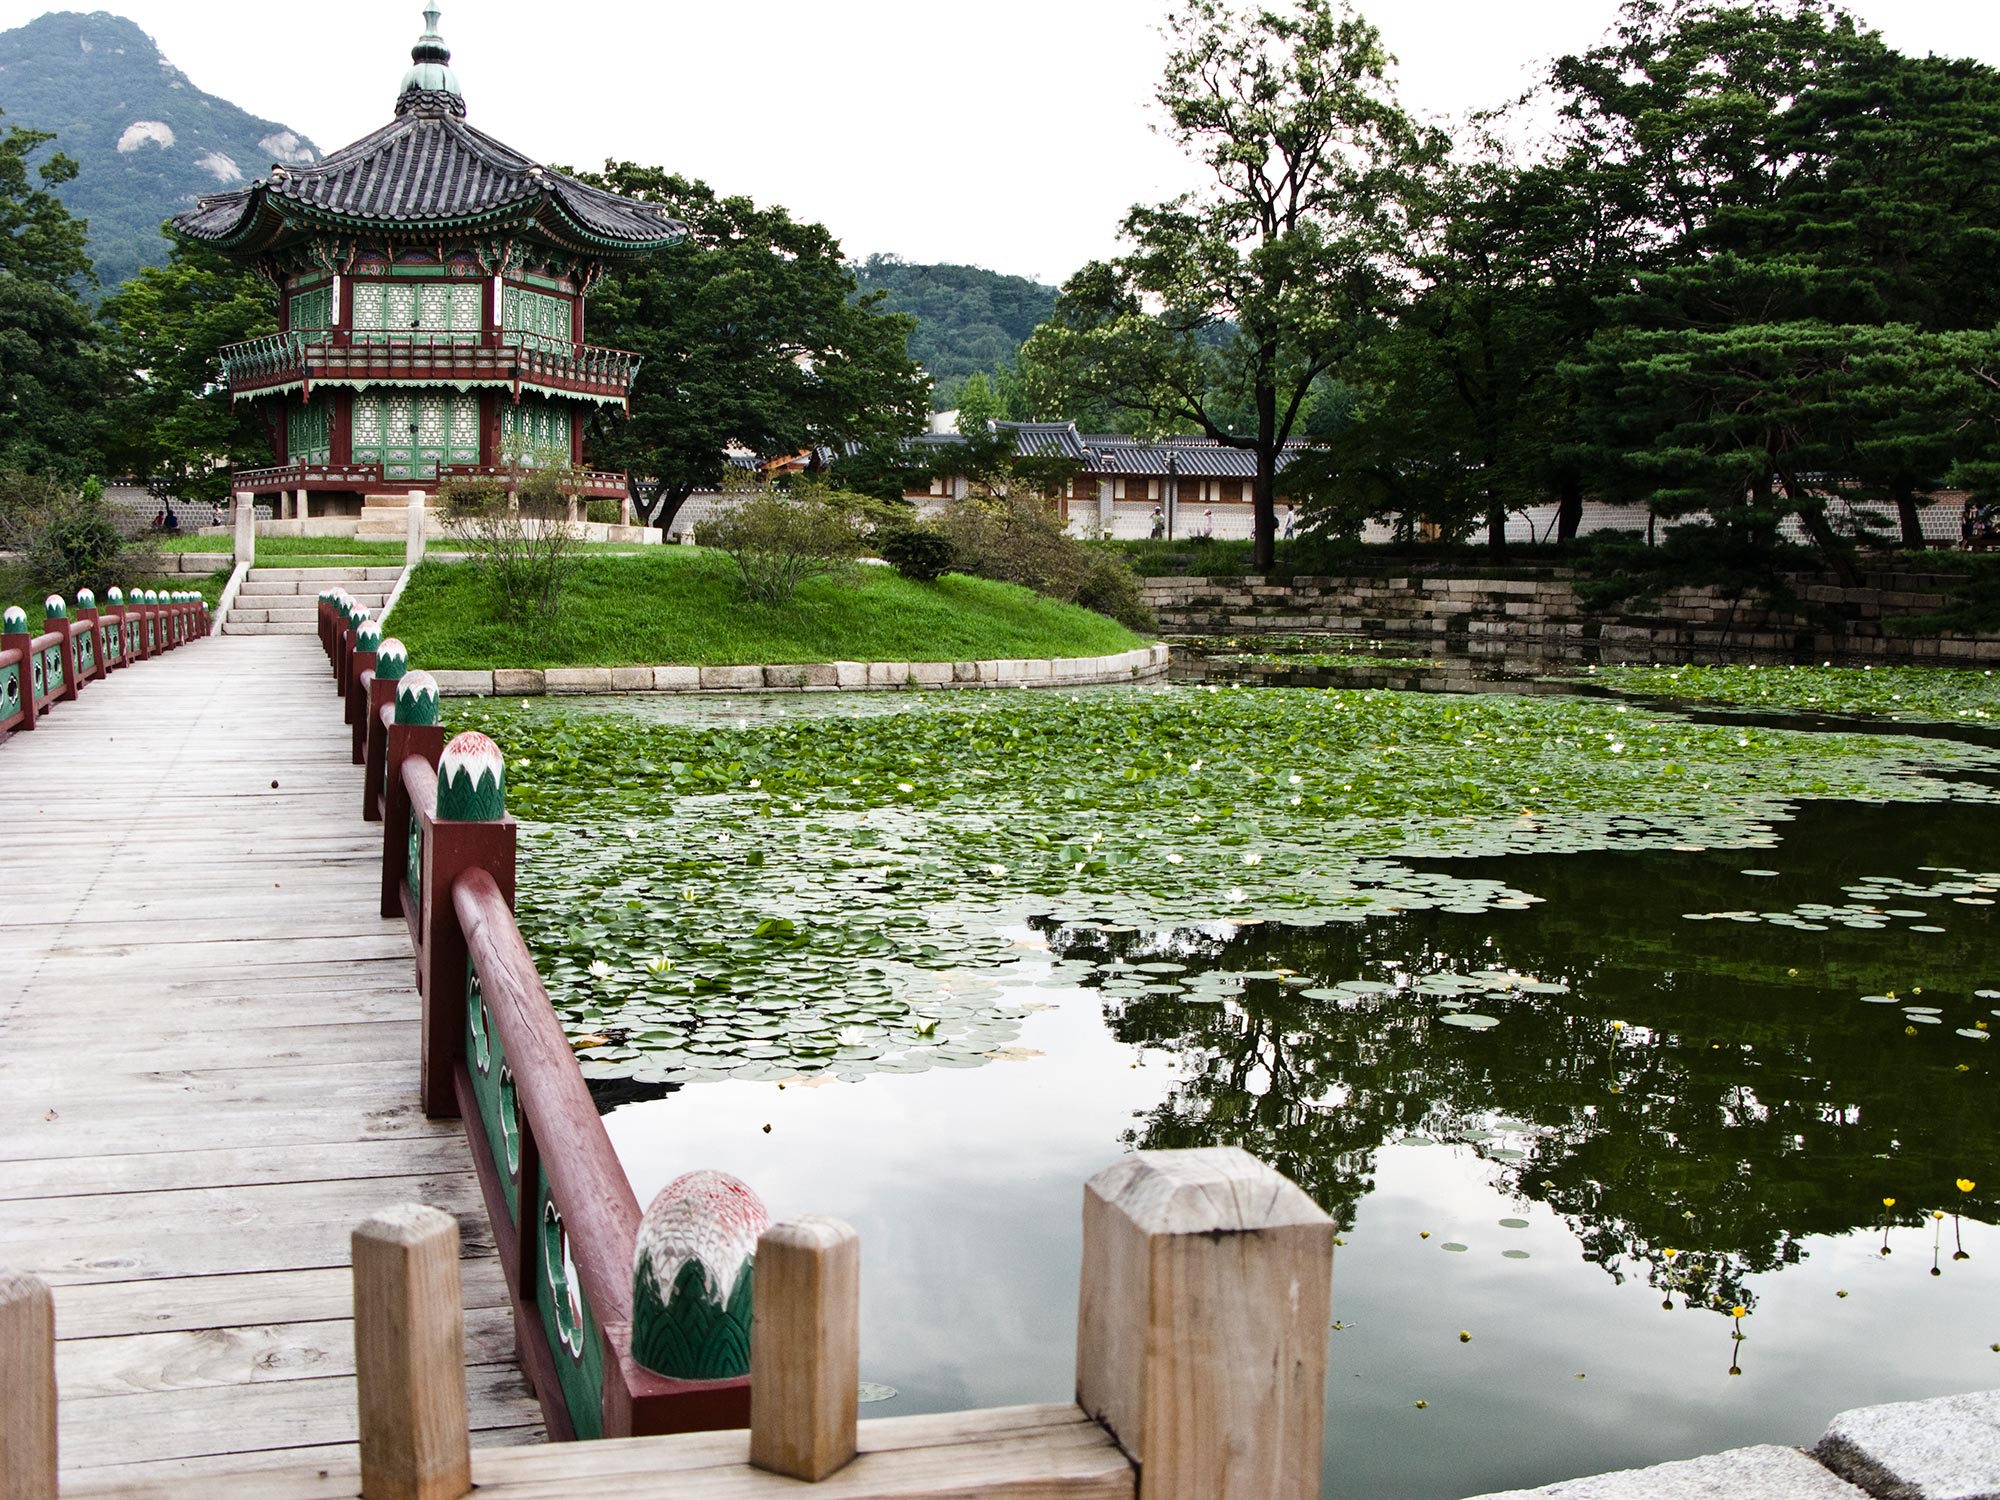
208, 1068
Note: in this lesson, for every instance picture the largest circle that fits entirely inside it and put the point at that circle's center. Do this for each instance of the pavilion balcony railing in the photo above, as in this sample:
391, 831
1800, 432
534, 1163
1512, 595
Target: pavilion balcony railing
312, 475
507, 358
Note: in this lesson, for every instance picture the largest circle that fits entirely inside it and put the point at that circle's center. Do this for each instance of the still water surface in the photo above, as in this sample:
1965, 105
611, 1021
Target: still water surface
1514, 1112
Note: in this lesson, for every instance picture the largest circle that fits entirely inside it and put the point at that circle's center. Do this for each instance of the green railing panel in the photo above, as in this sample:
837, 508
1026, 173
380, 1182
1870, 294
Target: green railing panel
86, 653
10, 689
413, 869
493, 1088
574, 1337
52, 668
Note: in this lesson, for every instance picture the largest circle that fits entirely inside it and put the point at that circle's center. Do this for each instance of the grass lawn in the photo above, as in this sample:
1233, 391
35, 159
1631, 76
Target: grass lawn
15, 589
683, 606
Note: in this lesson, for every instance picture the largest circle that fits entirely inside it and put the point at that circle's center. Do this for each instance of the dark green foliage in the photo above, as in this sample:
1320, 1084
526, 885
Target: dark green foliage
66, 537
178, 423
920, 553
1017, 537
90, 78
754, 335
969, 321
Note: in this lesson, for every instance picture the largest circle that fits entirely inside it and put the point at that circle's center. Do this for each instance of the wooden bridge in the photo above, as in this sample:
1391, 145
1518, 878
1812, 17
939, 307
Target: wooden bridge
228, 1144
208, 1069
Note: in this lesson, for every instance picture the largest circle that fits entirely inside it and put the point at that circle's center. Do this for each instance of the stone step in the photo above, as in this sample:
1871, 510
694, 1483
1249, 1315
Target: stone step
286, 588
322, 578
232, 626
309, 615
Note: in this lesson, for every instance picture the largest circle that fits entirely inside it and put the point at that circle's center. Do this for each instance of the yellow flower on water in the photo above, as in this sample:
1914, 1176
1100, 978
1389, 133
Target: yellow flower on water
1617, 1025
1670, 1254
1966, 1184
1937, 1213
1739, 1311
1888, 1202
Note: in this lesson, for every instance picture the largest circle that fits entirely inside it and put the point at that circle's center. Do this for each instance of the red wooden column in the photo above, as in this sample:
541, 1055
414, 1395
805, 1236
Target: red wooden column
15, 639
413, 732
392, 664
55, 616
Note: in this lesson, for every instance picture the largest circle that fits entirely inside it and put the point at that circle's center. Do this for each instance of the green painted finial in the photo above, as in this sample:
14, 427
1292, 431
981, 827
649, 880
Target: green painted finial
693, 1278
367, 636
85, 599
417, 699
53, 608
392, 660
114, 595
14, 621
472, 780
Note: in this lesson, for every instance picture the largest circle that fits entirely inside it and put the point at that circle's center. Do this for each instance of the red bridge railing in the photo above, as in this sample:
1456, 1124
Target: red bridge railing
42, 669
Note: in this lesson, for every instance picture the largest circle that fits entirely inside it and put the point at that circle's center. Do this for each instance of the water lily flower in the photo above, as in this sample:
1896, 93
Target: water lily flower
1966, 1184
1298, 780
755, 783
996, 871
600, 970
1174, 859
1253, 858
904, 786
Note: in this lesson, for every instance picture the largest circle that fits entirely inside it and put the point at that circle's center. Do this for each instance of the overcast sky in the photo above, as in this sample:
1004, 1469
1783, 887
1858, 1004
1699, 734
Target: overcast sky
1011, 135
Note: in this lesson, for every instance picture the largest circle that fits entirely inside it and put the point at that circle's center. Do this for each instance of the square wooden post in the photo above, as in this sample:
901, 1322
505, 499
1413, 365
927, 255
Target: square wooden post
27, 1389
246, 527
23, 643
805, 1348
409, 1357
1202, 1327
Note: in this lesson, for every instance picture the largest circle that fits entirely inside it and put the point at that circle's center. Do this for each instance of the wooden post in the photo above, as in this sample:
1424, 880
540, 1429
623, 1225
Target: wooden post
1202, 1329
27, 1389
805, 1348
409, 1357
471, 831
413, 731
14, 636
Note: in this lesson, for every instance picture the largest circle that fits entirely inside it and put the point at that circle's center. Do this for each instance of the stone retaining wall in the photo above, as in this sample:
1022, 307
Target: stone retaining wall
1544, 608
1145, 664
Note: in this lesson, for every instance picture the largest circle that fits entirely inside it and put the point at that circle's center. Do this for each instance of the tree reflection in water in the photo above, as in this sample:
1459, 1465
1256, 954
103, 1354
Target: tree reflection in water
1749, 1101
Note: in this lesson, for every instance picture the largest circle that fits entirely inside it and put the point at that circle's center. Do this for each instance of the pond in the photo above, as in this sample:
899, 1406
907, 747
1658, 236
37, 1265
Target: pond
1590, 1023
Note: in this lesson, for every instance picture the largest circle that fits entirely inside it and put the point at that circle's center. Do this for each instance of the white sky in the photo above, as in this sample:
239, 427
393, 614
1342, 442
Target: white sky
1010, 135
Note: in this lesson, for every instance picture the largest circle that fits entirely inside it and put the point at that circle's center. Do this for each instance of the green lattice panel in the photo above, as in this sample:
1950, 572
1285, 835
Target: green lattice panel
536, 314
493, 1088
386, 310
535, 427
309, 429
114, 647
312, 310
413, 872
86, 653
37, 685
567, 1321
411, 434
10, 690
52, 668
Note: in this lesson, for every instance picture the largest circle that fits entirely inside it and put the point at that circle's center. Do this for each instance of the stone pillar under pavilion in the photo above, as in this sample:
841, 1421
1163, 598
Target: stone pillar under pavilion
432, 285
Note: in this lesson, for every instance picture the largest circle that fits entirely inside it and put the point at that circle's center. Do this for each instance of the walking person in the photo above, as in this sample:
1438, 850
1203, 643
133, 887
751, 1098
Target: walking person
1159, 523
1291, 520
1208, 522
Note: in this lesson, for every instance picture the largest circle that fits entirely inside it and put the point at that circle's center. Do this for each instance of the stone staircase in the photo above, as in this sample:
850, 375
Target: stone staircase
285, 601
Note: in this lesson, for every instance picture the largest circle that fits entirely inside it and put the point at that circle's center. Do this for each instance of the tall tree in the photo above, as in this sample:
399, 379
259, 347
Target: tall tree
169, 323
52, 370
1235, 300
753, 336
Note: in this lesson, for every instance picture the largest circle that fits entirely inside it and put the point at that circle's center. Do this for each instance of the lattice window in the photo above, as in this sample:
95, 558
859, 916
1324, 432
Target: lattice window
312, 310
535, 430
545, 317
367, 429
464, 443
310, 431
411, 434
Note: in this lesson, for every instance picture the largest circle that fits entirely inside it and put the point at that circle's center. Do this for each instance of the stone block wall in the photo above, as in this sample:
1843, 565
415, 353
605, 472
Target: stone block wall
1542, 610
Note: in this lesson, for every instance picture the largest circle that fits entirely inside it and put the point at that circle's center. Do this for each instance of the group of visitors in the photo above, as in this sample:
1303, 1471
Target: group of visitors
1289, 522
1979, 527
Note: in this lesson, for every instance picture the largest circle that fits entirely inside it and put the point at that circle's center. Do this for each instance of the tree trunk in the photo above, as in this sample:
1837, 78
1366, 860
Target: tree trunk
1813, 518
1264, 517
1569, 508
1496, 530
1912, 523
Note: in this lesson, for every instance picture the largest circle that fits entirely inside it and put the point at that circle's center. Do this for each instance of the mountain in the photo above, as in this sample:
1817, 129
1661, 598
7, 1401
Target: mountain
148, 142
969, 321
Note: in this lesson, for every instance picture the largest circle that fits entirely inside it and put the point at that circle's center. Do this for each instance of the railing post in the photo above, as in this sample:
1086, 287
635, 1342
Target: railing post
97, 667
470, 831
392, 661
14, 636
409, 1357
1202, 1325
55, 617
112, 638
366, 638
414, 731
246, 527
805, 1348
27, 1389
343, 665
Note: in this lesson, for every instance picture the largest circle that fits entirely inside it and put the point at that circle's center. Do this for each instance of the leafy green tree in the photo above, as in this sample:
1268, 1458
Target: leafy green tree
168, 325
978, 404
754, 335
1233, 302
52, 373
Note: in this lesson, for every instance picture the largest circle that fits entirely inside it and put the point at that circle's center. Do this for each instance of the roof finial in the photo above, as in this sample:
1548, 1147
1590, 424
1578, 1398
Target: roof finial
430, 84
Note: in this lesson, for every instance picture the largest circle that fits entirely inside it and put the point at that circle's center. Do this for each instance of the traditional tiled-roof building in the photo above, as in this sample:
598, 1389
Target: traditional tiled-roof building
432, 284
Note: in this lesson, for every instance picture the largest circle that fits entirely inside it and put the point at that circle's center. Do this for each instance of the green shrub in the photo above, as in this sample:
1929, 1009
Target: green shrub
780, 538
1113, 589
603, 512
920, 553
523, 543
68, 539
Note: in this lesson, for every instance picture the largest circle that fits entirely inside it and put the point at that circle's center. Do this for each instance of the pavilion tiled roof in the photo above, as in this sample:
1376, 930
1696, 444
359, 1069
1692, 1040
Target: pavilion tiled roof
427, 170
